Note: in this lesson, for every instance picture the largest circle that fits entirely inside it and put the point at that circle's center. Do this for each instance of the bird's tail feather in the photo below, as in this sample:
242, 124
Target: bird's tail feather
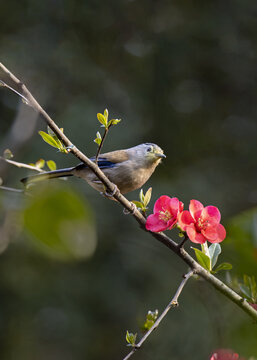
47, 175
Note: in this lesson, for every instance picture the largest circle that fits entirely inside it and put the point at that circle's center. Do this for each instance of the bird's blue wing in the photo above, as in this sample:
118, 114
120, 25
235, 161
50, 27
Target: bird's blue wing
102, 162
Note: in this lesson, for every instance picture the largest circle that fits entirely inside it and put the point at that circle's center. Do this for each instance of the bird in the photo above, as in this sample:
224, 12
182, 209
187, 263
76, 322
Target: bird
128, 169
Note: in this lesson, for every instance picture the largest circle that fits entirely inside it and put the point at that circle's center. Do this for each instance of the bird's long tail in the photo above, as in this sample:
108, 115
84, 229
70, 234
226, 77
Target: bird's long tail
48, 175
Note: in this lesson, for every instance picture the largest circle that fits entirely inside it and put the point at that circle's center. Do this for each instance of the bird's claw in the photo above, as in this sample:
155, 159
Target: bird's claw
126, 211
109, 194
70, 147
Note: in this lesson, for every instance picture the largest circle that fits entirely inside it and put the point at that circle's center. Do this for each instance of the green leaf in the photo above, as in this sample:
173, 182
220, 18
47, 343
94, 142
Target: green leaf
106, 114
98, 138
151, 317
102, 119
49, 139
222, 266
203, 259
114, 122
7, 154
51, 165
141, 196
138, 204
131, 338
214, 250
148, 196
40, 163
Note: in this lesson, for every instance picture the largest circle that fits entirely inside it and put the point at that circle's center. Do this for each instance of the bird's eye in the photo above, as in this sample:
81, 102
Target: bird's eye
149, 149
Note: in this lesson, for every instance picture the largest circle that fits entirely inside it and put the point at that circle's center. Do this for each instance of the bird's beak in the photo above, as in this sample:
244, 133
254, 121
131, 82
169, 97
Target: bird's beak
159, 155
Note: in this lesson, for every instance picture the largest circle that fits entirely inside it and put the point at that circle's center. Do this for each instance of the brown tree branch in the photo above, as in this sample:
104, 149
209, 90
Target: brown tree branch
112, 188
172, 303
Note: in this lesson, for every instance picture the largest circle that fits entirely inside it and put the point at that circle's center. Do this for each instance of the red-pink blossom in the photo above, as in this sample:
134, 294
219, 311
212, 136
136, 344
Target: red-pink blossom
165, 214
202, 223
223, 354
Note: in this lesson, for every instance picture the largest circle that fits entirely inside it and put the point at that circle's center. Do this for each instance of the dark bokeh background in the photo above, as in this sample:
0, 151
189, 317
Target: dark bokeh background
75, 273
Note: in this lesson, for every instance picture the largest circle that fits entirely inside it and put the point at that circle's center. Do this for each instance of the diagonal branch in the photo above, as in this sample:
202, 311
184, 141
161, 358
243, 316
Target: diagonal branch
172, 303
112, 188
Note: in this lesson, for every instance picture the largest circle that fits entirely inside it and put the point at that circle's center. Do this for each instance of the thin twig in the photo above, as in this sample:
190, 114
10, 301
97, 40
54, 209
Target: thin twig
102, 142
181, 245
11, 189
2, 83
21, 165
112, 188
172, 303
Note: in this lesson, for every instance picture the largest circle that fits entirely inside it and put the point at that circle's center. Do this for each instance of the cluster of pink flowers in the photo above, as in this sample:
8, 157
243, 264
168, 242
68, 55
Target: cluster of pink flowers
200, 223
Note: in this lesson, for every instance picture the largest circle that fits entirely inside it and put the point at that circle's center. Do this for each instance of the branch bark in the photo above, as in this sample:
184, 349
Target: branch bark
112, 188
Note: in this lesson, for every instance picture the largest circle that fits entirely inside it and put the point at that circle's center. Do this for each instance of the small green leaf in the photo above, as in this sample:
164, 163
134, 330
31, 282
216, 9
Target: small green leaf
141, 196
8, 154
102, 119
51, 165
97, 141
148, 196
98, 138
131, 338
214, 250
114, 122
203, 259
151, 317
223, 266
49, 139
40, 163
106, 114
138, 204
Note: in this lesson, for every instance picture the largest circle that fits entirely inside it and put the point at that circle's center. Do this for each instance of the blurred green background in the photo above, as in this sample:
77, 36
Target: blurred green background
75, 272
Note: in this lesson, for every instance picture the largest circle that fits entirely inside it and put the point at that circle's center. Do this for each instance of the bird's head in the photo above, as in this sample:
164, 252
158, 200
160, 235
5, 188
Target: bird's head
149, 153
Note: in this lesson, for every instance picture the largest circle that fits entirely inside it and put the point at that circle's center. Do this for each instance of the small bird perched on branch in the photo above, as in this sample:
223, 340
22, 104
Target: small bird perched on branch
129, 169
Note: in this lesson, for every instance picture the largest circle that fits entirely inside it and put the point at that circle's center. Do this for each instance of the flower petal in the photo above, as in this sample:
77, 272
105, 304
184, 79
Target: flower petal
174, 205
194, 236
211, 214
162, 204
155, 224
221, 234
195, 208
185, 219
172, 222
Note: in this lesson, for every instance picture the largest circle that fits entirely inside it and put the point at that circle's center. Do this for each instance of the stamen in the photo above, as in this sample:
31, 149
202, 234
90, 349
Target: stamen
165, 215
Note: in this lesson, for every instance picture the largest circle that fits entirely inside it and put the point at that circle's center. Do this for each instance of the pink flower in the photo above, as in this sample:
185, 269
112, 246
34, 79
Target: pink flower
223, 354
202, 223
165, 214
